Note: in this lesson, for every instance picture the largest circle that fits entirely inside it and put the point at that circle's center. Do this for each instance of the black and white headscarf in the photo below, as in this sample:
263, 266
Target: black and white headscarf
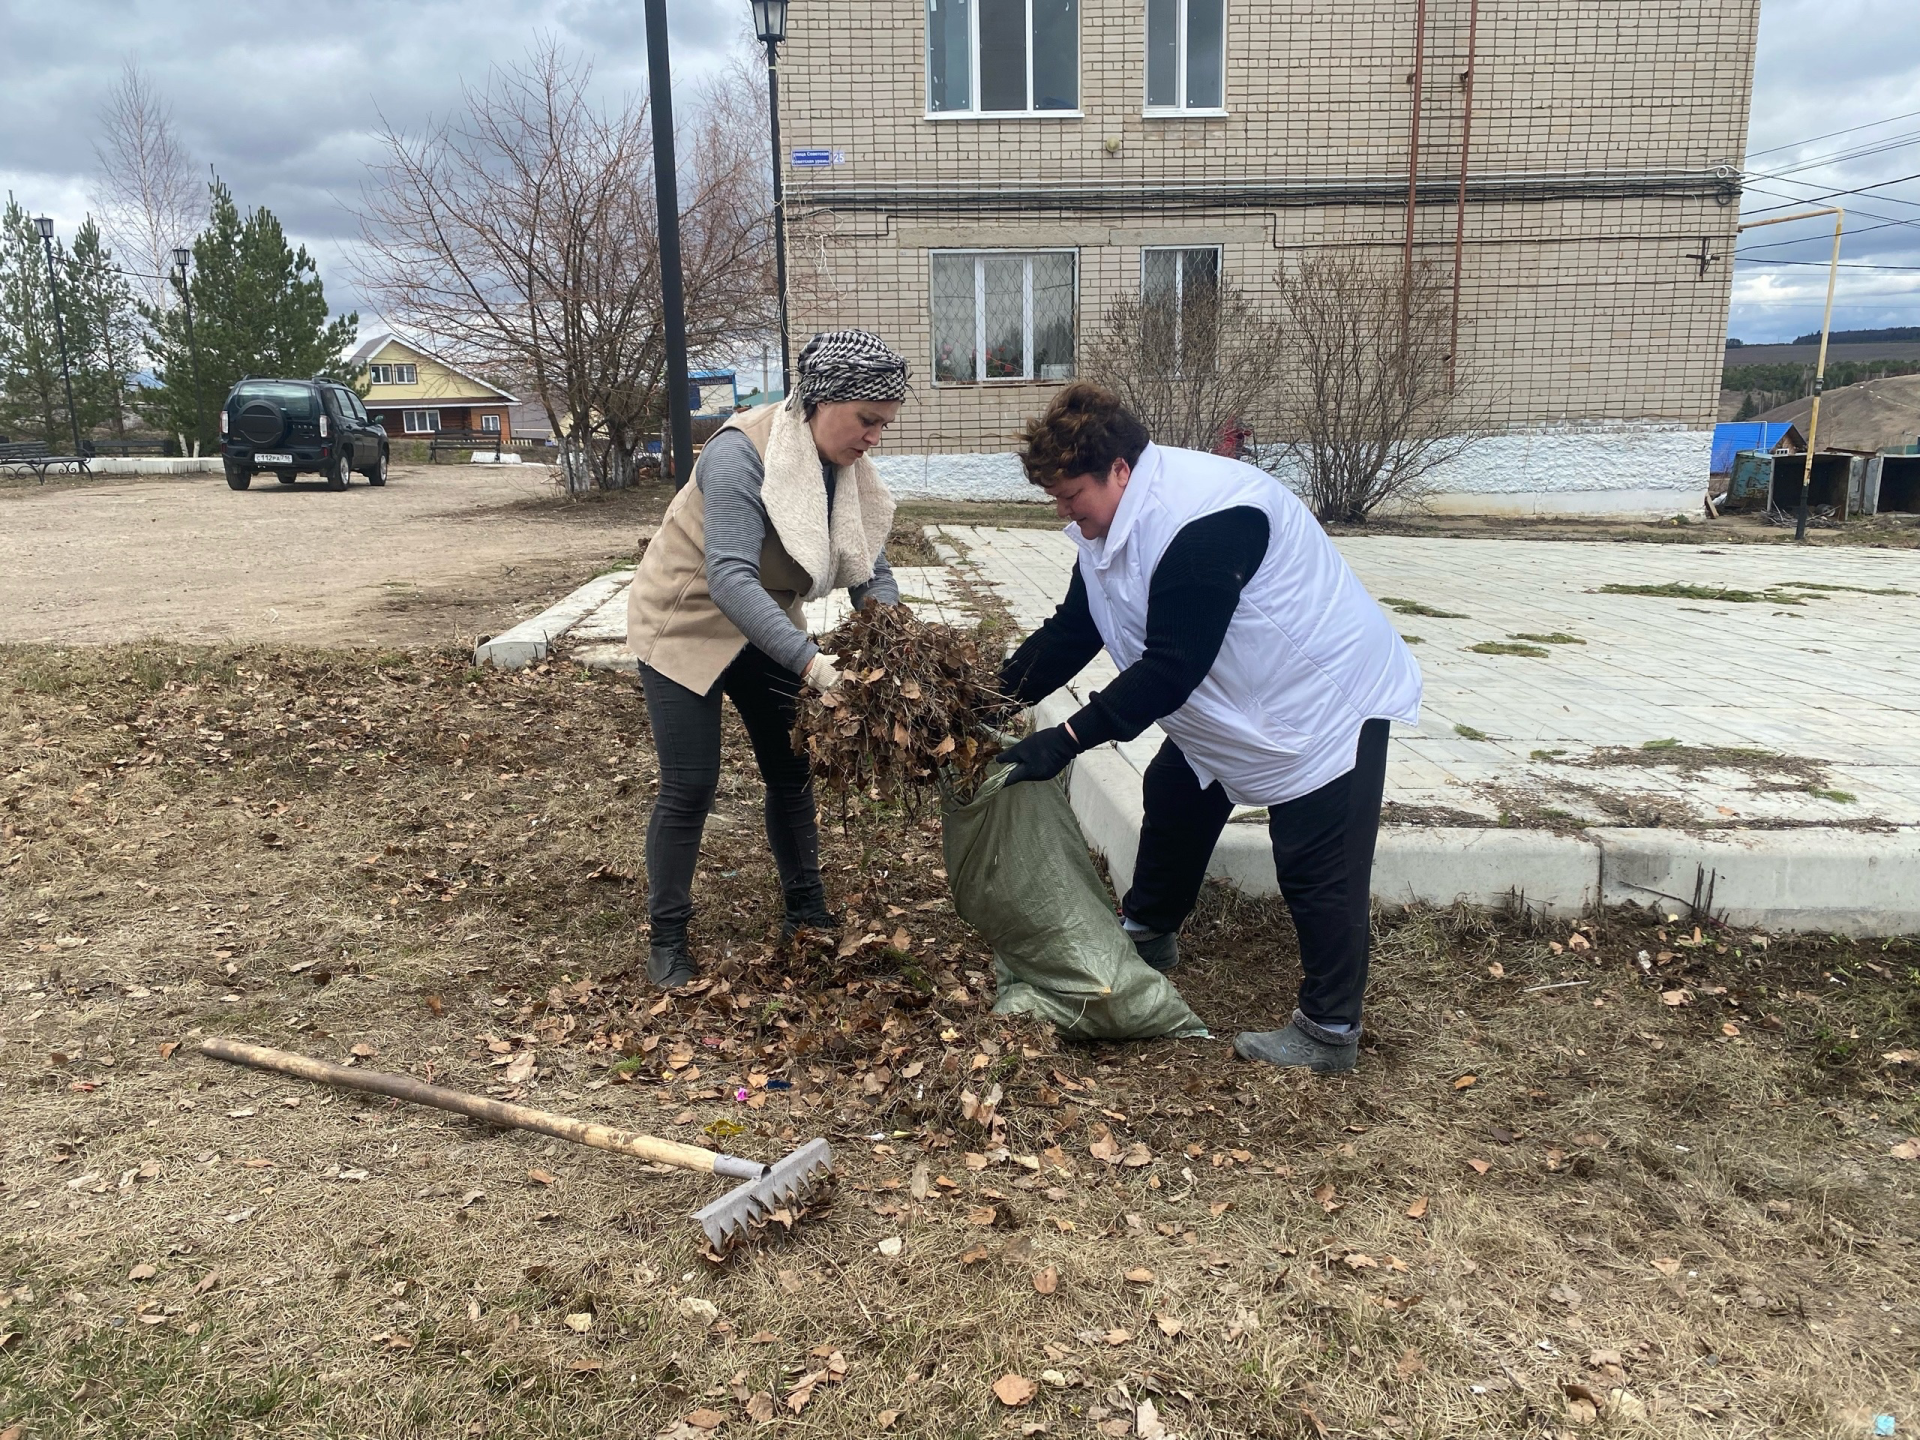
841, 365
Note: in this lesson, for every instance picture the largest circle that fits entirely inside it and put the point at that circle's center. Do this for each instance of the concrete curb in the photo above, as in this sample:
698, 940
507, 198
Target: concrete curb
158, 465
1842, 882
1838, 882
533, 639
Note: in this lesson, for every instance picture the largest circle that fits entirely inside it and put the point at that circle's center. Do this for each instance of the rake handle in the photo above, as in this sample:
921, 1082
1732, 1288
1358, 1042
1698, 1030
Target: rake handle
494, 1112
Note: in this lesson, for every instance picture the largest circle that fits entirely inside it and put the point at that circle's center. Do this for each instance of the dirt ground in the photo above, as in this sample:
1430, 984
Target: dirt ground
1623, 1179
442, 555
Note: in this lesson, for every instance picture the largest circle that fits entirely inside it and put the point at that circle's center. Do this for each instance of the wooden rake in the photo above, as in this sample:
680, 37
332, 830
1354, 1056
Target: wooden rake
735, 1217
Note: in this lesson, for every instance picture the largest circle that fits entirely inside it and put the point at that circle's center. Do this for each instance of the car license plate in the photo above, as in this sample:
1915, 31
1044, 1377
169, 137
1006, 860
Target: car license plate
260, 457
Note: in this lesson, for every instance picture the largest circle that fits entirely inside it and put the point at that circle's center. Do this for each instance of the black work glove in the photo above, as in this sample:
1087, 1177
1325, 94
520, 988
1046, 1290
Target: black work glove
1042, 755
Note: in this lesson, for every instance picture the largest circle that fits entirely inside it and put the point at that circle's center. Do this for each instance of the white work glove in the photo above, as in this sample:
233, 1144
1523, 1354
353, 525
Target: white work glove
821, 673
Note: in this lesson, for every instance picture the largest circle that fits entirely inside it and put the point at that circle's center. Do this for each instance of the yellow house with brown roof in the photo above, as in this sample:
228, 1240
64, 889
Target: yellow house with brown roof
414, 394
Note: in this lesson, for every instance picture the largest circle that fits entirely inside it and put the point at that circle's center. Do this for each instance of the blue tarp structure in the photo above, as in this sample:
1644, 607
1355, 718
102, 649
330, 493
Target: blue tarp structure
1731, 438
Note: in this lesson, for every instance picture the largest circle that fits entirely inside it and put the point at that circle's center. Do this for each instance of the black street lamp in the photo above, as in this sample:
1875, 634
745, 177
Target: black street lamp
770, 24
183, 257
666, 200
45, 222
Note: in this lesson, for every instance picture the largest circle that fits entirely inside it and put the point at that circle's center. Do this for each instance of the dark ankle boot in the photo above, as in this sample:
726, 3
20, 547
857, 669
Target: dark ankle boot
669, 964
806, 907
1160, 949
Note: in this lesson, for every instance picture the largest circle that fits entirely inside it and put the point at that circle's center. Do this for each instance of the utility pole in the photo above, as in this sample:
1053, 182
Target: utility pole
45, 224
1820, 370
666, 198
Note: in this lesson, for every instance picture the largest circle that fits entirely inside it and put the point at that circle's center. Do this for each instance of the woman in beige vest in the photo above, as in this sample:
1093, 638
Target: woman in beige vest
784, 507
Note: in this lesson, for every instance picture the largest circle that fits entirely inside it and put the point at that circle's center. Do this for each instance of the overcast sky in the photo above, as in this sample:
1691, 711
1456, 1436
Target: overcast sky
280, 99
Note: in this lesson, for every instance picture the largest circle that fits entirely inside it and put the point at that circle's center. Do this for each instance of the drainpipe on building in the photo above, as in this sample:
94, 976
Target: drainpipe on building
1460, 204
1413, 151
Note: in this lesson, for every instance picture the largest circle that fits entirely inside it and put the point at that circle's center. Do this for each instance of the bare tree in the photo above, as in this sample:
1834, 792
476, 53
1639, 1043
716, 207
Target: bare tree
1196, 365
1370, 401
149, 198
522, 239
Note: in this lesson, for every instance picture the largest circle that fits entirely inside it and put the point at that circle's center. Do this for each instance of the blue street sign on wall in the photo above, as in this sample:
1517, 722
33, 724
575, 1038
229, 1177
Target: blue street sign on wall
811, 159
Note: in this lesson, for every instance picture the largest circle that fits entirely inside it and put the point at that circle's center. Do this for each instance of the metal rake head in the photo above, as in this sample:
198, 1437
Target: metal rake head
744, 1211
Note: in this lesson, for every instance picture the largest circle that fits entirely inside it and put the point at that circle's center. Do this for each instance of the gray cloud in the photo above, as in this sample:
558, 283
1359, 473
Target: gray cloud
284, 101
1824, 66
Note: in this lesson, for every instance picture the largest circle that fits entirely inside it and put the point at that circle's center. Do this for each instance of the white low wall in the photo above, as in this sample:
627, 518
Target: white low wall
156, 465
1599, 469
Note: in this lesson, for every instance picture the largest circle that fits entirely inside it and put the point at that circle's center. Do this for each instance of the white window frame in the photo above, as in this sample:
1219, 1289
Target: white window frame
430, 420
490, 423
1181, 111
1026, 377
973, 110
406, 374
380, 374
1180, 282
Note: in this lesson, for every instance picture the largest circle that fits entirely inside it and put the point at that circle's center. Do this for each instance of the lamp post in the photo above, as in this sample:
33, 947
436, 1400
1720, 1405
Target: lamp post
666, 199
770, 24
183, 257
45, 222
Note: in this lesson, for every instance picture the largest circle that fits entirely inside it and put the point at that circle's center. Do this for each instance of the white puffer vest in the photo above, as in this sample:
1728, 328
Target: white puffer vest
1309, 657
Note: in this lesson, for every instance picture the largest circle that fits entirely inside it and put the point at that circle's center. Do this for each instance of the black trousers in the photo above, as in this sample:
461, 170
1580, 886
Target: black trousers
686, 736
1322, 856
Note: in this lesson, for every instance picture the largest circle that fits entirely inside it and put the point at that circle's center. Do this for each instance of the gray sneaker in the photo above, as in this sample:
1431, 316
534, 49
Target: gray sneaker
1160, 949
1301, 1045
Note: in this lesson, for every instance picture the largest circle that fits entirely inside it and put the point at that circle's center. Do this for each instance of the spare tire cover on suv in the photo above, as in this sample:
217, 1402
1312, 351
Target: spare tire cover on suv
261, 421
266, 410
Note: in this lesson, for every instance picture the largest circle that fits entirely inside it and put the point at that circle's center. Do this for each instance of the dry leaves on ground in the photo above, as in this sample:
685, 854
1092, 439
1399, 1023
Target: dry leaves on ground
1013, 1390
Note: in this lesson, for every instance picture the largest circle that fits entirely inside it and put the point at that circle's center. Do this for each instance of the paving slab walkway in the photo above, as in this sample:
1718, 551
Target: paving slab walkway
1754, 758
1762, 753
1827, 678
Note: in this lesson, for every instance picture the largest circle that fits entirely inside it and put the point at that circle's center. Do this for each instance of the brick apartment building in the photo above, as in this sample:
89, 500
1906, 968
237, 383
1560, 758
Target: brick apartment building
996, 171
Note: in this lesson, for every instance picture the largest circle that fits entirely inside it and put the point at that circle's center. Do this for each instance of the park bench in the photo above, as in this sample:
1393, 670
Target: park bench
35, 456
154, 445
464, 440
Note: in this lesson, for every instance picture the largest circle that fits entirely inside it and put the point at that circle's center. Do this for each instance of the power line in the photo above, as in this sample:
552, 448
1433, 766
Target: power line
1844, 264
1870, 125
1815, 239
1843, 156
1858, 190
1814, 300
1852, 210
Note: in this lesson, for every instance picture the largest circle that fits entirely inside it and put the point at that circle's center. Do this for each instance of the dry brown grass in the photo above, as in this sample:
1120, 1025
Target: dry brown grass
321, 850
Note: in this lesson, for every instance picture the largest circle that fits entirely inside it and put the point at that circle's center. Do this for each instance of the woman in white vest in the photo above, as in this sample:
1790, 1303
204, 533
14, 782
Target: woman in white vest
784, 507
1241, 631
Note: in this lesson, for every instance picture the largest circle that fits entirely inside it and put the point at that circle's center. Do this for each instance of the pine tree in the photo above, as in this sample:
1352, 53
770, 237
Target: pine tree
258, 309
32, 402
102, 332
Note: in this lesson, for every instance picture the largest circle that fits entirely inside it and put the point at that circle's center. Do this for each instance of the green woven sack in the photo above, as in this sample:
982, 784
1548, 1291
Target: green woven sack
1020, 875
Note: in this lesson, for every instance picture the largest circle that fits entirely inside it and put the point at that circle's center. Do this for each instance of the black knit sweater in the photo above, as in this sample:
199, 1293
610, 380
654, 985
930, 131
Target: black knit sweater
1190, 600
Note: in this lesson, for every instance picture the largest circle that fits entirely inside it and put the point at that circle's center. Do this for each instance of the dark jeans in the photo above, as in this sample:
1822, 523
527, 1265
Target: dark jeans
1322, 856
686, 736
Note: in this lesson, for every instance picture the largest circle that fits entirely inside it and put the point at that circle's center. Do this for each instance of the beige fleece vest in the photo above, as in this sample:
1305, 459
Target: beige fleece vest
673, 624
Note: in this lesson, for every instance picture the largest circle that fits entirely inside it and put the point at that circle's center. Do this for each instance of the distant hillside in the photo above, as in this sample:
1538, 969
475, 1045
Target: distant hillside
1873, 415
1893, 335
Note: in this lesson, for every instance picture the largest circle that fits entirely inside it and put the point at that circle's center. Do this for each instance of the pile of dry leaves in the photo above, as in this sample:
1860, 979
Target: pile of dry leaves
916, 707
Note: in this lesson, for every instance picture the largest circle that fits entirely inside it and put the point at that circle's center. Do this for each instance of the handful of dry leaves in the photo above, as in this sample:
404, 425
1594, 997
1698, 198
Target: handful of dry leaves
915, 707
